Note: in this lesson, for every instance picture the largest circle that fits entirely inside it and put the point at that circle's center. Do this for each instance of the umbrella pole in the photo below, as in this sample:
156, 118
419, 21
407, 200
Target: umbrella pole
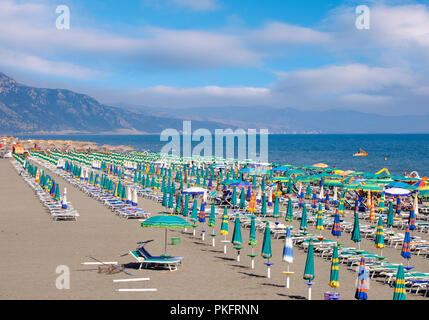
165, 246
224, 246
213, 238
287, 277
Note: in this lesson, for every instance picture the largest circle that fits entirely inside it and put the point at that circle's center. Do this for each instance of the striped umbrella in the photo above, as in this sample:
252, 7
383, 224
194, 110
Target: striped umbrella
224, 228
289, 213
390, 215
327, 202
379, 236
304, 225
319, 221
362, 285
266, 248
301, 199
372, 210
288, 254
398, 204
336, 227
356, 230
252, 204
341, 206
412, 220
400, 292
314, 201
381, 205
237, 240
333, 281
276, 210
406, 251
202, 212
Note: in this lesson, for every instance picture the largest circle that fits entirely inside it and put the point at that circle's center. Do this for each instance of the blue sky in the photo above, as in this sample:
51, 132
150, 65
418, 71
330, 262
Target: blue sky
219, 53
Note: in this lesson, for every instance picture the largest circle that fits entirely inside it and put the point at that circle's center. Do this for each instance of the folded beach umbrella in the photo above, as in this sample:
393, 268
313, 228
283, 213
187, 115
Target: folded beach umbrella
266, 248
212, 222
304, 225
406, 251
334, 278
185, 211
224, 225
398, 204
237, 240
308, 192
171, 199
356, 230
321, 194
264, 205
335, 197
270, 197
362, 284
276, 210
202, 212
400, 291
179, 203
301, 199
289, 212
288, 248
372, 211
327, 202
194, 213
319, 219
57, 196
252, 204
164, 199
314, 201
381, 204
390, 220
309, 268
129, 196
263, 184
379, 236
234, 197
242, 203
336, 227
412, 220
252, 235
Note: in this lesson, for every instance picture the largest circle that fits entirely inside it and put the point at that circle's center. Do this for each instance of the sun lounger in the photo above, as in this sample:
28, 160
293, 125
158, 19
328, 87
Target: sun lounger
171, 263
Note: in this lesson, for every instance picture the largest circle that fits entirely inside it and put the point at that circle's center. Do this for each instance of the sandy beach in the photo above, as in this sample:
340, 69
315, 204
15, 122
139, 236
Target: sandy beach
34, 245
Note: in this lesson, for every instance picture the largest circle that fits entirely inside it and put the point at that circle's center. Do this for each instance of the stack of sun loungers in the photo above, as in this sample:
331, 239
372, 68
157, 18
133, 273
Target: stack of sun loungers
53, 207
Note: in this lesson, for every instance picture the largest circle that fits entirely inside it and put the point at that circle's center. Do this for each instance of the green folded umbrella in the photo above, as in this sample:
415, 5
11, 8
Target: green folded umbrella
333, 280
304, 225
289, 213
185, 212
171, 200
264, 205
252, 236
212, 218
234, 197
379, 236
389, 223
164, 199
276, 210
356, 230
179, 203
309, 263
237, 240
224, 225
266, 244
242, 204
400, 291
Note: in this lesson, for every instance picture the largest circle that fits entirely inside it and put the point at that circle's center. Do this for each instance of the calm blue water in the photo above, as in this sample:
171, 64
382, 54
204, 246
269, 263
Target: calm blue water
404, 152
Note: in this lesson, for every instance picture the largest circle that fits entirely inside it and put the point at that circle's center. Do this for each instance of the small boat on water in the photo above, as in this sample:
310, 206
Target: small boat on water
361, 153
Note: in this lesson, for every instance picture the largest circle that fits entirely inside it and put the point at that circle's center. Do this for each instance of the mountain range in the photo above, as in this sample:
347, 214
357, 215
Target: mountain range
25, 109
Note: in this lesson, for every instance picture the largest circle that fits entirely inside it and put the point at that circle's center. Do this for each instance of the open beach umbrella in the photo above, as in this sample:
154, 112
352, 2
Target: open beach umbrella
237, 240
356, 230
379, 236
309, 268
266, 248
362, 284
276, 210
406, 251
303, 225
289, 212
334, 278
389, 223
400, 291
319, 219
336, 227
165, 222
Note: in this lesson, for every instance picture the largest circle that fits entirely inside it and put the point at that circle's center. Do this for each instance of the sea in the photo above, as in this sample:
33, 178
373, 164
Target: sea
398, 153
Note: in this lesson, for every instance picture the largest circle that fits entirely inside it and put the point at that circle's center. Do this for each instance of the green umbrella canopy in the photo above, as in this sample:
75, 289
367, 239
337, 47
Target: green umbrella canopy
236, 235
252, 236
266, 244
169, 222
289, 213
400, 291
309, 264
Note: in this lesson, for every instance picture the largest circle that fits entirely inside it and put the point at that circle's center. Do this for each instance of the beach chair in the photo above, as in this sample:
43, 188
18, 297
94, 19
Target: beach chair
171, 263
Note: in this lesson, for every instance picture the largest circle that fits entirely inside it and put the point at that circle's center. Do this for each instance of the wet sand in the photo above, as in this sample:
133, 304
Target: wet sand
33, 245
